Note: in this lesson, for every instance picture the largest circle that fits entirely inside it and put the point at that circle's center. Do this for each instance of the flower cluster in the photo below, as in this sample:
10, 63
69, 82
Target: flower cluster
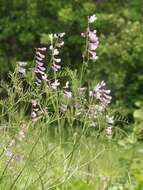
93, 44
82, 105
93, 41
102, 94
40, 69
54, 47
21, 67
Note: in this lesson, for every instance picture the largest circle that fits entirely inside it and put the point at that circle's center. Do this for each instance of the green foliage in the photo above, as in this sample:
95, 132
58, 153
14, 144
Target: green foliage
138, 116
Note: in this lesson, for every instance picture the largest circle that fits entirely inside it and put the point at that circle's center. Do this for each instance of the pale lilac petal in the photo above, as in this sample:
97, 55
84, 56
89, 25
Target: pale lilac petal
68, 94
39, 58
55, 52
41, 68
39, 63
40, 55
56, 67
21, 70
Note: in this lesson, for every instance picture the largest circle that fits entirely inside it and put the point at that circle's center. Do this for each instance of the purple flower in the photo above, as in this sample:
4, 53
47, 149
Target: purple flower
21, 70
94, 56
93, 36
102, 94
93, 41
56, 67
39, 63
21, 67
68, 94
40, 55
93, 44
40, 69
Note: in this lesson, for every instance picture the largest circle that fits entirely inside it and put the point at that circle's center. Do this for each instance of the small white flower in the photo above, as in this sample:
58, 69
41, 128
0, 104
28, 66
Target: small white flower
92, 18
55, 52
66, 85
42, 49
61, 35
51, 47
58, 60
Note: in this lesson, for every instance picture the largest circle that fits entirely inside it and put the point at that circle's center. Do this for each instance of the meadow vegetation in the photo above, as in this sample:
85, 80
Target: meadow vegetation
71, 95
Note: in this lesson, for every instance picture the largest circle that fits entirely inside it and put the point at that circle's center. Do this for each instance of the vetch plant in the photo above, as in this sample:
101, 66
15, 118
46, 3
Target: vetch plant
74, 103
68, 101
49, 101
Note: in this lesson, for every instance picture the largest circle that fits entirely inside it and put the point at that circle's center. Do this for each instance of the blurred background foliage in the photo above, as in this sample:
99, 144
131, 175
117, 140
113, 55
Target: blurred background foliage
24, 24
